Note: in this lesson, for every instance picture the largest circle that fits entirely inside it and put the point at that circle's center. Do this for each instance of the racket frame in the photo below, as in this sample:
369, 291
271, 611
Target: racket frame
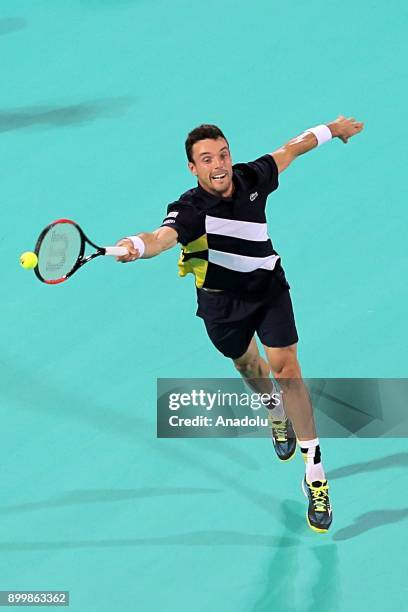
81, 259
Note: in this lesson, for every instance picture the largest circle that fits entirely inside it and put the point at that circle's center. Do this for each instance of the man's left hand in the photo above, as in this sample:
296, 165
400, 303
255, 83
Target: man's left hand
345, 128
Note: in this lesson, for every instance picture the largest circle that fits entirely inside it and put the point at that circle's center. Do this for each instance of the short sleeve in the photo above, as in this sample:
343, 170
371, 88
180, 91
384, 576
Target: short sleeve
267, 172
180, 217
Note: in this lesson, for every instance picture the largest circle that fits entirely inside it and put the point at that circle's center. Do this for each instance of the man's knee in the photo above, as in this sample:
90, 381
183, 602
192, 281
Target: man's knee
284, 364
289, 370
247, 366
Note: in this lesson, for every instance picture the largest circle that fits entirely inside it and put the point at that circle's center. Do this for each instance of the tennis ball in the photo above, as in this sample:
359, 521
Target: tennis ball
28, 260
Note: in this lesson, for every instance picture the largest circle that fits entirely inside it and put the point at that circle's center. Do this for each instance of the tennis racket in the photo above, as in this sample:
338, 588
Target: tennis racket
60, 250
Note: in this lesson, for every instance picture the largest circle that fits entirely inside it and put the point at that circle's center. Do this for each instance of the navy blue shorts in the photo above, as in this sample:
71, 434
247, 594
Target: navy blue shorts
231, 320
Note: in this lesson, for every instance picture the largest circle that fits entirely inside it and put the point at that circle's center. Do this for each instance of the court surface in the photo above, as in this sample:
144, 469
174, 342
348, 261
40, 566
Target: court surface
97, 97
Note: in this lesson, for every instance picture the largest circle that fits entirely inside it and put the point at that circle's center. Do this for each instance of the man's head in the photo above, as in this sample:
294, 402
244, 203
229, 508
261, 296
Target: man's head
209, 159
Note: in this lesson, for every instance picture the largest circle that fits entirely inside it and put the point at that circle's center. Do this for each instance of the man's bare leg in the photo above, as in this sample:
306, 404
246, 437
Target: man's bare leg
254, 369
256, 373
286, 369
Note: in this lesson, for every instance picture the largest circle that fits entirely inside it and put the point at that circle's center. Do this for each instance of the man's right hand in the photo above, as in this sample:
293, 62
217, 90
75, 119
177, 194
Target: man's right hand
133, 253
154, 242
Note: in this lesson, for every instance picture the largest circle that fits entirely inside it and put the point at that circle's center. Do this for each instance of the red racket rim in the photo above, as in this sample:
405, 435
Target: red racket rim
37, 248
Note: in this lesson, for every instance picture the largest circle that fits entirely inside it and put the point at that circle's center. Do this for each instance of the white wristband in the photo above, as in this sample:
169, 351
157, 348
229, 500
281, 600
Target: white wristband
322, 133
138, 244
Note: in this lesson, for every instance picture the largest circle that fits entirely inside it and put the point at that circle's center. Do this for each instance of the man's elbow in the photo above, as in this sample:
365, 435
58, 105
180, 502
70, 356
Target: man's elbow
283, 158
165, 238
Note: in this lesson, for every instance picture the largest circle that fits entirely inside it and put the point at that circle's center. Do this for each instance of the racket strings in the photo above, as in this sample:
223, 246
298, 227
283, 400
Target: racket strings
59, 251
56, 257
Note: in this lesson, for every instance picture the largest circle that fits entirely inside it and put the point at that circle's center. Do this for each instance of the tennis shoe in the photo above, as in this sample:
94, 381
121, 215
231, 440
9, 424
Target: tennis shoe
283, 438
319, 512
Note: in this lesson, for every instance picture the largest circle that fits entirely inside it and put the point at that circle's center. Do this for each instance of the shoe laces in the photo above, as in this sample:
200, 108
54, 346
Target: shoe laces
280, 430
320, 497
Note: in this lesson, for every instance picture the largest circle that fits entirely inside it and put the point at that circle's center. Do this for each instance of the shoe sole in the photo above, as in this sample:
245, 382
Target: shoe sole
312, 527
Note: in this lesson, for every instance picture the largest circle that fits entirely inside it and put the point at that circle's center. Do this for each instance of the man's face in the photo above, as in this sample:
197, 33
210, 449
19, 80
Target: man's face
213, 166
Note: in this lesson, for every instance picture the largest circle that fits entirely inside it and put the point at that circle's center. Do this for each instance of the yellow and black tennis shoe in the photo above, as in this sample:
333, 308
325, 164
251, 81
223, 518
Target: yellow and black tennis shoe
283, 438
319, 512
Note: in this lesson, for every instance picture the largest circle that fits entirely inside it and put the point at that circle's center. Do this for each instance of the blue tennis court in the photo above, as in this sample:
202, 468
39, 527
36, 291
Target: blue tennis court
97, 98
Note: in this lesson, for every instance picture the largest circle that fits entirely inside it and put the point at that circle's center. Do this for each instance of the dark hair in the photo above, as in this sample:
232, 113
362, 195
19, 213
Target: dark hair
201, 133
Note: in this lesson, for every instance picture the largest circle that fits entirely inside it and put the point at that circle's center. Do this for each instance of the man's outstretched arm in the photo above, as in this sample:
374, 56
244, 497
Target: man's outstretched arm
146, 245
340, 128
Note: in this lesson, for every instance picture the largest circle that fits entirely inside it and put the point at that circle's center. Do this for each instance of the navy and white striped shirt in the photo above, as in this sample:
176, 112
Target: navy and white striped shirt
225, 241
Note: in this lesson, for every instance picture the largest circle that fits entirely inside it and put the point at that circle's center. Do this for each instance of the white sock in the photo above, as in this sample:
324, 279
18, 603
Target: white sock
311, 454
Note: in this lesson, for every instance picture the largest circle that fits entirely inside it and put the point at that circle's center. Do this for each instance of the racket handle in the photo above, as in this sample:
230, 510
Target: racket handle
116, 251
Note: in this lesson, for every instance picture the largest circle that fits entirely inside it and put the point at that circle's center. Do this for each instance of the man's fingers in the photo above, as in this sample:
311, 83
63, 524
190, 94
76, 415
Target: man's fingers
357, 127
132, 253
135, 254
348, 127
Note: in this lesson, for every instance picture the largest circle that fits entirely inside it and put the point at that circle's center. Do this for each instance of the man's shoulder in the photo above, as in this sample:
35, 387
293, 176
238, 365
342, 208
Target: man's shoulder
246, 174
261, 172
187, 201
192, 198
189, 196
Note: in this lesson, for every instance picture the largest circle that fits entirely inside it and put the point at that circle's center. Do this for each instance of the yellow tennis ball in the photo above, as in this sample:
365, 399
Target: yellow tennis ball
28, 260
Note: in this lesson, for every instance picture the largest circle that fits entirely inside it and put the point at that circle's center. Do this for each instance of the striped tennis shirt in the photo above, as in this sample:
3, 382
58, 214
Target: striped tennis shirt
225, 242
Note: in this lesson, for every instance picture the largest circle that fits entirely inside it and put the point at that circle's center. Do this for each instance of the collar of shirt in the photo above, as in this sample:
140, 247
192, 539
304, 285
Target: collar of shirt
215, 199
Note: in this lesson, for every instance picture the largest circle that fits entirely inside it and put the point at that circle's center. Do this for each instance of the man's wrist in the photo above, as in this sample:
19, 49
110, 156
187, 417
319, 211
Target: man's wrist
322, 133
333, 128
138, 243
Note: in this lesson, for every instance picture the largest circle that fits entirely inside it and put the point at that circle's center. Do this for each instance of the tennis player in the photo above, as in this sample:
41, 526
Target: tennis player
241, 285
